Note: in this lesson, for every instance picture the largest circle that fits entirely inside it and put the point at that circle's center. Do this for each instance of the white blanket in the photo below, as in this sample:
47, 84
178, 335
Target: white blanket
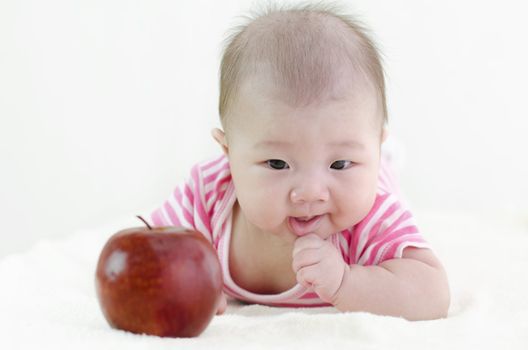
47, 299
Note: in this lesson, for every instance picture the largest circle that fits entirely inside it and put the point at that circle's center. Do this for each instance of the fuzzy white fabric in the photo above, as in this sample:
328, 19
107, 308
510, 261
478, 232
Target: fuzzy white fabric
48, 300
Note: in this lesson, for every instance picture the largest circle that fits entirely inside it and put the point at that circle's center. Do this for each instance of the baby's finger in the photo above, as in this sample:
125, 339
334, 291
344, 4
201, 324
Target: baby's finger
305, 242
305, 258
307, 276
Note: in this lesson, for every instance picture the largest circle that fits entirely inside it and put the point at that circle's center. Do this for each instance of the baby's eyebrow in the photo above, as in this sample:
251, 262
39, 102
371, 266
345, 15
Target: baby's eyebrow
268, 143
347, 144
339, 144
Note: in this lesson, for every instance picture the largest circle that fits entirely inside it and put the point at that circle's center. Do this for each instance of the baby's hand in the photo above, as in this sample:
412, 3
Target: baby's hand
318, 265
223, 305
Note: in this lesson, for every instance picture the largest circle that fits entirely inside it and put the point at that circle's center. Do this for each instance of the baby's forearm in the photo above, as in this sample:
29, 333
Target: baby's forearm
398, 287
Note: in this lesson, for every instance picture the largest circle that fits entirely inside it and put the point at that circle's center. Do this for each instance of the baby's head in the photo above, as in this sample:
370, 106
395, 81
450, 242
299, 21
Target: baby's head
302, 105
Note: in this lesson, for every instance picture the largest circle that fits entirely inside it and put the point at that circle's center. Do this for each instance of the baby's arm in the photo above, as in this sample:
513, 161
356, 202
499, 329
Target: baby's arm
414, 287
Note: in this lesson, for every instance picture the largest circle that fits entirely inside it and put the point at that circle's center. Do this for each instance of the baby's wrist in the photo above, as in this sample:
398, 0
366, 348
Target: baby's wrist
344, 280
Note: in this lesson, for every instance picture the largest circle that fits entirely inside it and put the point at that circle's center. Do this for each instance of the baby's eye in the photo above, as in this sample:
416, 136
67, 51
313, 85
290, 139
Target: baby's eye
277, 164
341, 164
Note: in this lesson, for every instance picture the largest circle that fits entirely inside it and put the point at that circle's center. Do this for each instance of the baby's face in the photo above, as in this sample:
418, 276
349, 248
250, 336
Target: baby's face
300, 162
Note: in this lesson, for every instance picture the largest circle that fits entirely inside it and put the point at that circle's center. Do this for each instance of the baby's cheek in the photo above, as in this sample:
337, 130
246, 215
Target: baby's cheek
261, 205
354, 205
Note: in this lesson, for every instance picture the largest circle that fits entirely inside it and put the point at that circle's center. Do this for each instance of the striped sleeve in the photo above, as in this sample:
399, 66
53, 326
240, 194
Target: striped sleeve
384, 233
191, 203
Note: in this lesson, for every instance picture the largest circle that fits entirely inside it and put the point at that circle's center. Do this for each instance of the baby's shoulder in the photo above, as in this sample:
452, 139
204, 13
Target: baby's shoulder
213, 169
385, 203
212, 178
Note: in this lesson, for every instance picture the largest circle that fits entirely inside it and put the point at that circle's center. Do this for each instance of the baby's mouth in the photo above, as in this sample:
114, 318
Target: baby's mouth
304, 225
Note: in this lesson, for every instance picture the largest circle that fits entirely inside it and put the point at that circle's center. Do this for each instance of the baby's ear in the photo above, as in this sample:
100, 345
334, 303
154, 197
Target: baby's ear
219, 137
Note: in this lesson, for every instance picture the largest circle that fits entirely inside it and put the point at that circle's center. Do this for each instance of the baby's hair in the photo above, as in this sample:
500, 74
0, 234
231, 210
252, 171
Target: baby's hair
306, 47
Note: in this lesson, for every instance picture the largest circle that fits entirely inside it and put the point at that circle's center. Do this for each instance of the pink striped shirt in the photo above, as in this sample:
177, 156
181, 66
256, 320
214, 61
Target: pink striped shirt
204, 202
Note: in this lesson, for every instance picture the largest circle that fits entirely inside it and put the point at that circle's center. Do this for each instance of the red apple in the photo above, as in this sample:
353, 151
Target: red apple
163, 281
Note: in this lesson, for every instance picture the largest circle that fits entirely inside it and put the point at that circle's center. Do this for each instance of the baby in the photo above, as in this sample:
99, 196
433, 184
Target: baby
301, 205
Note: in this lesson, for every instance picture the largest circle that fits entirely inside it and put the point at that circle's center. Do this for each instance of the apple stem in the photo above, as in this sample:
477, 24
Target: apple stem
146, 223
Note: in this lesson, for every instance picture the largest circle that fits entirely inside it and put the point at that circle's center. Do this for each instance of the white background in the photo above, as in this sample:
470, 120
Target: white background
105, 105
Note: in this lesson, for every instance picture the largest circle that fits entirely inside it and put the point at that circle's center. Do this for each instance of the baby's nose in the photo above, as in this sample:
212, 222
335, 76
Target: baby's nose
309, 191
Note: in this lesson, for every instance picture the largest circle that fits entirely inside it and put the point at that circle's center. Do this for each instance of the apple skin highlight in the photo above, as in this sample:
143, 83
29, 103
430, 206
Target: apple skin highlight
164, 281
